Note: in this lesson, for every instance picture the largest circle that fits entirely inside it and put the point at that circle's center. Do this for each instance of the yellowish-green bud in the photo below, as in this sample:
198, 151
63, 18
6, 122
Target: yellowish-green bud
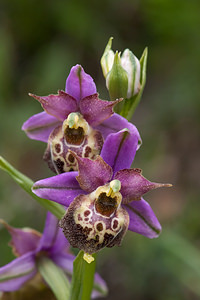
117, 79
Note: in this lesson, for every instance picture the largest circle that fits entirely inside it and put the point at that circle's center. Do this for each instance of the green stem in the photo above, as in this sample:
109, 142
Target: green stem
83, 278
26, 183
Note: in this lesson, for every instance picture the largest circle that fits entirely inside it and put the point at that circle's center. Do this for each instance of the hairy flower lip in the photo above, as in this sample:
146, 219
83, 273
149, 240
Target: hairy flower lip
90, 231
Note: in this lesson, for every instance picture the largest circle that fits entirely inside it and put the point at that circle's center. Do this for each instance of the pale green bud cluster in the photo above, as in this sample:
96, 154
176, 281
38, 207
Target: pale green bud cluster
122, 73
125, 78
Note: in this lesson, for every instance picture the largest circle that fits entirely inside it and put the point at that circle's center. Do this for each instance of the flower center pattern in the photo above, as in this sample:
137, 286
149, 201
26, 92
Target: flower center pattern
93, 221
74, 134
105, 205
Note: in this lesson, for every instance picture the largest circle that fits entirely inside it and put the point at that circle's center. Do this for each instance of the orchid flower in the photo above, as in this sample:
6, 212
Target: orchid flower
104, 198
31, 247
74, 120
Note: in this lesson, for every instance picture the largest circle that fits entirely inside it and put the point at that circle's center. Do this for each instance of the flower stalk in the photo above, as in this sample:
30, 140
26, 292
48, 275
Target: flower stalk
83, 278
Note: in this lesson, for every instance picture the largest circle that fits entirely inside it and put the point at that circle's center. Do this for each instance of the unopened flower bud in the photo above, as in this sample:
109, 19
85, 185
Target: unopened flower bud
117, 79
125, 77
122, 74
131, 64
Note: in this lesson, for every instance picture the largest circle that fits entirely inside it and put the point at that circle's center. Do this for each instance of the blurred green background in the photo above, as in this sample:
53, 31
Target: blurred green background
40, 42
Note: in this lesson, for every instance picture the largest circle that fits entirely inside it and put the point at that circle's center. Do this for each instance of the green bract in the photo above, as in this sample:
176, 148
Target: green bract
117, 79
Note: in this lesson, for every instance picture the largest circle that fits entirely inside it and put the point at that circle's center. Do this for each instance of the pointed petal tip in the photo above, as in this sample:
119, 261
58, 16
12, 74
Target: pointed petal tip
134, 184
58, 105
168, 184
158, 185
5, 224
118, 100
156, 234
41, 99
35, 96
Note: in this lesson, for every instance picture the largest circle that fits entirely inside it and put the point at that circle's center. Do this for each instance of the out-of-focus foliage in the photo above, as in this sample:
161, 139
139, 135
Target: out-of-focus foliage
40, 41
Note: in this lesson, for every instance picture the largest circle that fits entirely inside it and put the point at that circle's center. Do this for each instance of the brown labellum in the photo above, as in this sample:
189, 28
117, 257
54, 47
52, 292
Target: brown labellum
91, 229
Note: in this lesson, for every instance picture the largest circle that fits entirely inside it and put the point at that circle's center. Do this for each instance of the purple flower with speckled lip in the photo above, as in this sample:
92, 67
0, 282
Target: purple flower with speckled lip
74, 120
30, 246
104, 198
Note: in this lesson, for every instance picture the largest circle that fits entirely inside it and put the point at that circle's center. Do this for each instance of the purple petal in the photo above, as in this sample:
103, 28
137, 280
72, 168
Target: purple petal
23, 240
61, 244
92, 173
79, 84
134, 185
65, 261
116, 123
95, 110
62, 188
49, 234
143, 219
17, 272
119, 149
39, 126
53, 239
59, 106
